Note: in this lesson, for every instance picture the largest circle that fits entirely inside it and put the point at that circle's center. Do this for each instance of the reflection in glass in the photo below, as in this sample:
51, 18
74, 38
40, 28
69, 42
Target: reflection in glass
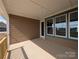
61, 25
73, 24
50, 26
2, 24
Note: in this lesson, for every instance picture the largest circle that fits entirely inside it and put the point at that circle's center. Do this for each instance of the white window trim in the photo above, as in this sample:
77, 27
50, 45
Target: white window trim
47, 28
69, 26
66, 27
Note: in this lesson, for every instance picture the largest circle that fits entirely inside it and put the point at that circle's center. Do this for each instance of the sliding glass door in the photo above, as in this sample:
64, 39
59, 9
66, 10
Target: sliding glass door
61, 26
73, 25
50, 27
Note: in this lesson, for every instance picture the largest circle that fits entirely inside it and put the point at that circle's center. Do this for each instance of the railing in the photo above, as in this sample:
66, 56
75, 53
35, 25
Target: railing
3, 48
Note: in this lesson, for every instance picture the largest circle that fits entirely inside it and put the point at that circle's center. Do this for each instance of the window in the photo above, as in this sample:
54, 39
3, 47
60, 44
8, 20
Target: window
63, 25
50, 26
60, 25
2, 24
73, 25
42, 28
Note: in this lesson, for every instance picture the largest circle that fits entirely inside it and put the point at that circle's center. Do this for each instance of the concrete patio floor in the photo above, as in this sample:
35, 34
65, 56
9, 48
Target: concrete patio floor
44, 49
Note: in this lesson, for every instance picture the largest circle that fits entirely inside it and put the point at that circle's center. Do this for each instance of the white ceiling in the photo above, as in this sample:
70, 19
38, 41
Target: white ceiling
37, 9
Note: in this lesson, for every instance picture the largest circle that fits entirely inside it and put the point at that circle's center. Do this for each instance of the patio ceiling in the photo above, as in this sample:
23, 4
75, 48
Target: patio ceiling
37, 9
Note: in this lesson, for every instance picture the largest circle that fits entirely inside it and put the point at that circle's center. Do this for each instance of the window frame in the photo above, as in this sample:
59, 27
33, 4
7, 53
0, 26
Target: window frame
69, 25
66, 26
47, 27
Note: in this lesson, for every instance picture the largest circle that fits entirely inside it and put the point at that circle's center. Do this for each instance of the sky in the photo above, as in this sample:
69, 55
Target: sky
2, 19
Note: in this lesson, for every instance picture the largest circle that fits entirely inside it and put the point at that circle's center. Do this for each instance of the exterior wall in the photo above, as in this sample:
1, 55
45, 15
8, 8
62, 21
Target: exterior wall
22, 29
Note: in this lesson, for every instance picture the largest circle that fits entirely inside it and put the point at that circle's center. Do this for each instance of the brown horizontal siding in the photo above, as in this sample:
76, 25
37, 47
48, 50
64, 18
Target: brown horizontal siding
22, 29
